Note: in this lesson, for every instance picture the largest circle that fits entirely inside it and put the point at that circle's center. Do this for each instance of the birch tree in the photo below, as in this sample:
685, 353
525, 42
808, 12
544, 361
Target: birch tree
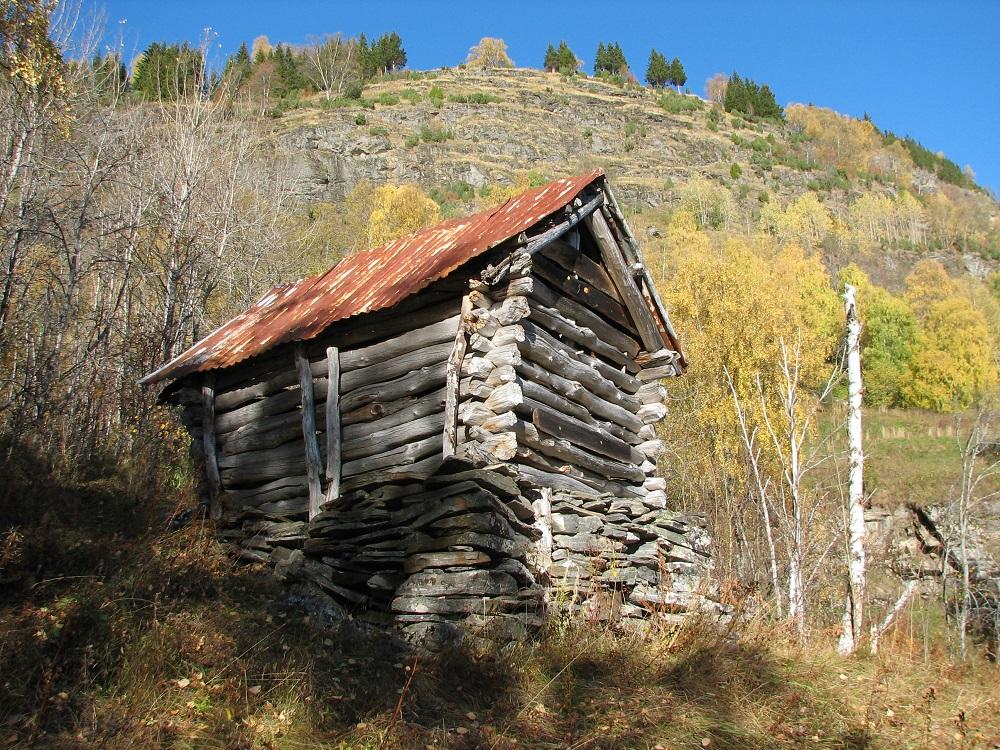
854, 601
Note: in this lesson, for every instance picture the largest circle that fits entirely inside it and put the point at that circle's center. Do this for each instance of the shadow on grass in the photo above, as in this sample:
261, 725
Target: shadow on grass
116, 634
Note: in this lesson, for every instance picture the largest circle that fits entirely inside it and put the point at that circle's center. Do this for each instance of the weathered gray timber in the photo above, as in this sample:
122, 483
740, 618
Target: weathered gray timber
333, 424
209, 447
469, 430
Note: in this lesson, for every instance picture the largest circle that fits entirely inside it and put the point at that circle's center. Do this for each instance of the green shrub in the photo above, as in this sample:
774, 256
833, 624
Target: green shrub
411, 95
360, 119
835, 180
378, 130
735, 171
764, 197
588, 133
674, 103
411, 141
354, 90
388, 99
430, 134
714, 118
477, 97
436, 95
762, 161
458, 191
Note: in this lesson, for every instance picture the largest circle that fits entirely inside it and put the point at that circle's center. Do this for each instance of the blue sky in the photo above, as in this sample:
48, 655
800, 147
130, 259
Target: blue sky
918, 67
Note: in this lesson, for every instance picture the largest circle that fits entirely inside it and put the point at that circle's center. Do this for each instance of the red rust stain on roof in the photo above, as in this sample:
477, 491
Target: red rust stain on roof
369, 281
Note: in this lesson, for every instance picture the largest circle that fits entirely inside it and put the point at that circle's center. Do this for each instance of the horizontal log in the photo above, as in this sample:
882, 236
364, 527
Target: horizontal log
573, 261
412, 383
279, 489
508, 355
257, 467
593, 298
529, 436
657, 373
540, 393
429, 356
396, 457
500, 375
380, 415
623, 380
652, 393
434, 304
554, 480
418, 470
234, 399
576, 392
652, 448
540, 349
270, 432
474, 413
377, 442
499, 422
650, 413
407, 341
537, 290
597, 485
554, 321
580, 434
476, 367
505, 398
512, 309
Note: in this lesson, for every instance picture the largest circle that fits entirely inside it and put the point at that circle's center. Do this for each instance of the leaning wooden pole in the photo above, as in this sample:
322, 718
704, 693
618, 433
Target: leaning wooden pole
209, 447
854, 603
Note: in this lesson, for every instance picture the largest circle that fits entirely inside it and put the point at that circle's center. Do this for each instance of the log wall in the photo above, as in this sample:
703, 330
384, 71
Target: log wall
389, 399
558, 378
487, 444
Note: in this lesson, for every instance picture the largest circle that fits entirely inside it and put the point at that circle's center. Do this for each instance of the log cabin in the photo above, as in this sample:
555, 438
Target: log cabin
457, 429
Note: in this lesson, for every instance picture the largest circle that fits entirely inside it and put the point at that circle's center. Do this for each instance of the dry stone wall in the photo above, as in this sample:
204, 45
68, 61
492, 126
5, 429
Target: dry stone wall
473, 551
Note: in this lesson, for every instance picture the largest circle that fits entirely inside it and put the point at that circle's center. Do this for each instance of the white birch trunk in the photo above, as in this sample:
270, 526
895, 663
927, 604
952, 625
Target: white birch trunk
854, 602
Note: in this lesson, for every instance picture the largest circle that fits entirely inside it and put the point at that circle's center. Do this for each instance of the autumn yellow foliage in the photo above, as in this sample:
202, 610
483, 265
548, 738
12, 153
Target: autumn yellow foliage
804, 221
953, 364
399, 210
735, 303
835, 139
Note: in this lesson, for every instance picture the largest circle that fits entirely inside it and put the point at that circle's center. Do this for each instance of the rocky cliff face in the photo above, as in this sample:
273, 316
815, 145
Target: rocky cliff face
526, 120
538, 124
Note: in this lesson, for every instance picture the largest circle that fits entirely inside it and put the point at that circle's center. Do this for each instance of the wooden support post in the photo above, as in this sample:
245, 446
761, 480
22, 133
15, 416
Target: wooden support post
332, 423
611, 253
313, 460
453, 375
209, 446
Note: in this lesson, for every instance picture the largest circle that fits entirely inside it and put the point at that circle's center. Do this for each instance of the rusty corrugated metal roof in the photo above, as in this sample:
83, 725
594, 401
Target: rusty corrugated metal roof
369, 281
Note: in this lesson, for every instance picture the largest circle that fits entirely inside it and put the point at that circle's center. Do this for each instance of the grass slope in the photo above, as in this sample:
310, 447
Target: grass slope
117, 634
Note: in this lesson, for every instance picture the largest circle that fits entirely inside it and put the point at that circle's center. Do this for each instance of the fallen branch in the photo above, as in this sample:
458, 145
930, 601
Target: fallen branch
878, 631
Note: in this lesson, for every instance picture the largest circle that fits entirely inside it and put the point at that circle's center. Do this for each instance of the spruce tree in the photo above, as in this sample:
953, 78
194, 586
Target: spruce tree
551, 63
677, 75
565, 59
616, 59
601, 60
657, 72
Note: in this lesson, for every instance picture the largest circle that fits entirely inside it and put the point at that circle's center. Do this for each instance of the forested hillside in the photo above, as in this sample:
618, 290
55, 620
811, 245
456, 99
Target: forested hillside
144, 202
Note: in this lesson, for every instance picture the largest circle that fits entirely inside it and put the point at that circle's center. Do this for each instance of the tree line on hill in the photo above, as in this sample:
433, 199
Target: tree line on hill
332, 65
338, 66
